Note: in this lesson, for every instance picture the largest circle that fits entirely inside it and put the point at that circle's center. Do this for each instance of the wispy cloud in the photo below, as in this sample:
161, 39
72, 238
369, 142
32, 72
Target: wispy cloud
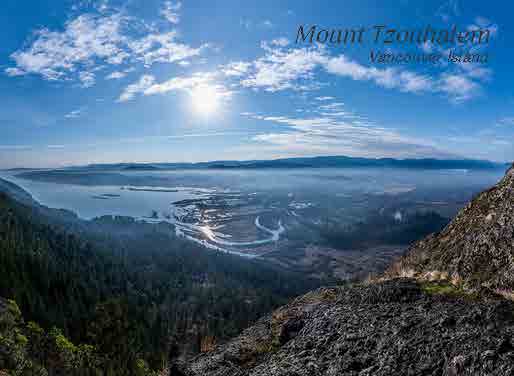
94, 40
144, 82
162, 48
170, 11
390, 78
55, 55
236, 69
340, 133
115, 75
282, 68
331, 106
281, 42
146, 85
87, 79
459, 87
249, 24
179, 83
75, 113
493, 142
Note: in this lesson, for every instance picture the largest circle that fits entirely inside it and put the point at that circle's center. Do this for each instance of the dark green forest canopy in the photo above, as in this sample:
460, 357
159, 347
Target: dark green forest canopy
124, 290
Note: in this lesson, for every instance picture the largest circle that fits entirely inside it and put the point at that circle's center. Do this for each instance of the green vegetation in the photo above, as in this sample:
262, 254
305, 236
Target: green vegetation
447, 289
440, 288
115, 297
382, 229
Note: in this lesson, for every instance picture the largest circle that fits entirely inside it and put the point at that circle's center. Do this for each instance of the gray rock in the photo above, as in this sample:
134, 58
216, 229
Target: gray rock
345, 332
475, 249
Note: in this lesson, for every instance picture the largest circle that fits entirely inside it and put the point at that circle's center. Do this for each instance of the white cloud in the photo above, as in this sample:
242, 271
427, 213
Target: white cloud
249, 24
75, 113
282, 69
91, 41
391, 78
141, 85
459, 87
55, 54
476, 71
333, 135
236, 69
324, 98
162, 48
345, 114
87, 79
281, 42
13, 72
170, 11
178, 83
297, 69
147, 86
116, 75
331, 106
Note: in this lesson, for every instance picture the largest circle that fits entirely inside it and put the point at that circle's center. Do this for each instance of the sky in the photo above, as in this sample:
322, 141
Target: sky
184, 81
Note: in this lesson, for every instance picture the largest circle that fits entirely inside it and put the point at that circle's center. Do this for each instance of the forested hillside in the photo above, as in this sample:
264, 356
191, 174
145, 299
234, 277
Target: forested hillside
115, 296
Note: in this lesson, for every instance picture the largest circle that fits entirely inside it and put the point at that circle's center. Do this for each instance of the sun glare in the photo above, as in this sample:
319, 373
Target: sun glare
205, 100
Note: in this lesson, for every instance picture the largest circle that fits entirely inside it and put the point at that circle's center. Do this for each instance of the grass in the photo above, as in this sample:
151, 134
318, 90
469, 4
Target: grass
439, 289
447, 289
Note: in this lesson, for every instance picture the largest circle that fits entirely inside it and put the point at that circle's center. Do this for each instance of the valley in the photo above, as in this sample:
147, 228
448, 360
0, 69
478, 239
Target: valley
316, 221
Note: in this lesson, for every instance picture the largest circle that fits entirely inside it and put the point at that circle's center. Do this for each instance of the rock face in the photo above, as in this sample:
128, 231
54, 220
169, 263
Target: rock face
395, 327
475, 249
436, 311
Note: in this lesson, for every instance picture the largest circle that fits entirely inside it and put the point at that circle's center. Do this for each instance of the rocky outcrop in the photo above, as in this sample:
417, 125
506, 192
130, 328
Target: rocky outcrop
395, 327
439, 310
476, 249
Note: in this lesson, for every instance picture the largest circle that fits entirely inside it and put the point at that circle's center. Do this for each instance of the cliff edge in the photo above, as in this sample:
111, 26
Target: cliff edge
474, 250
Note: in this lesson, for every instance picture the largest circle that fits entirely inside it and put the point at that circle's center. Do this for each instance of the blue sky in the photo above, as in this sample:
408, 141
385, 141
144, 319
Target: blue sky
145, 81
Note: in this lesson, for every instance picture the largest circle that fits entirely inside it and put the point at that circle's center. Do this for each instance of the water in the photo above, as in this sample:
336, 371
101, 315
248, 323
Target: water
248, 211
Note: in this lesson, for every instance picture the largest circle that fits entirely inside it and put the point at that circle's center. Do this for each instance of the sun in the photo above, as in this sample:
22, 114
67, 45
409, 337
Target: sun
205, 100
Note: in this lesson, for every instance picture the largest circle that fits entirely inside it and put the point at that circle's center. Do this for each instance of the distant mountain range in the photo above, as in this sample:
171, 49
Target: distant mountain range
307, 162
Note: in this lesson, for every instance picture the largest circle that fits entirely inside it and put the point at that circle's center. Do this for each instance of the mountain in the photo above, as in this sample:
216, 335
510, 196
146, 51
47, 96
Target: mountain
440, 310
304, 162
347, 162
143, 167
